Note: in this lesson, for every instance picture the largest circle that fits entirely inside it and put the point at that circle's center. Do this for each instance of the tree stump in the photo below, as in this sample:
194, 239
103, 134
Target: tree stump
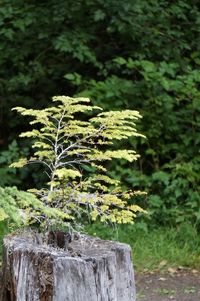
80, 268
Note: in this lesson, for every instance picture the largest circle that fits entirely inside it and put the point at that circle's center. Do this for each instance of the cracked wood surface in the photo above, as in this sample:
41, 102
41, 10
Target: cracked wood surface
84, 269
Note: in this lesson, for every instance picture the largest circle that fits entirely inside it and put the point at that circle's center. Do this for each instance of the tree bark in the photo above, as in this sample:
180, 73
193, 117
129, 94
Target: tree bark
80, 268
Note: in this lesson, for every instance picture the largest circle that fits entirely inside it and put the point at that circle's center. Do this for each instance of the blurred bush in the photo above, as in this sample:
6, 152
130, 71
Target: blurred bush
140, 55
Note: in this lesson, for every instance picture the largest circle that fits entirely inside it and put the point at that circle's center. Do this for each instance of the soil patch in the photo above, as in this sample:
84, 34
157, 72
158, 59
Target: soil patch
177, 285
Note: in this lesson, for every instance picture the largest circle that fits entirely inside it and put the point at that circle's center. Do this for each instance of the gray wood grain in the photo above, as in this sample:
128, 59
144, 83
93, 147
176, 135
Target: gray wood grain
88, 269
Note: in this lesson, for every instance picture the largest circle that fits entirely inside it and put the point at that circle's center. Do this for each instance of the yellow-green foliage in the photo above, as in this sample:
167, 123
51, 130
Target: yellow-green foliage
67, 146
18, 206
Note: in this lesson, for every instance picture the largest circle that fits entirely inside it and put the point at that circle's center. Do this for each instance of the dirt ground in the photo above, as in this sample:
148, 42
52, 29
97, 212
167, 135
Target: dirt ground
175, 285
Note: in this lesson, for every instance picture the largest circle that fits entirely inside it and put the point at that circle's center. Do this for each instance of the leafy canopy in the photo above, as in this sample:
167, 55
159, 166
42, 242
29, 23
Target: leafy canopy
150, 61
74, 147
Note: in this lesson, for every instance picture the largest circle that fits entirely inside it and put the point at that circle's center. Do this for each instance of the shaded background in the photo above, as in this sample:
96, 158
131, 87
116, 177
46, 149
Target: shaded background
130, 54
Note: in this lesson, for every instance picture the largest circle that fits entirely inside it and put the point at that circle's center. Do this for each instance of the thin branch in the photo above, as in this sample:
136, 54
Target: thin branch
84, 139
43, 162
75, 162
49, 140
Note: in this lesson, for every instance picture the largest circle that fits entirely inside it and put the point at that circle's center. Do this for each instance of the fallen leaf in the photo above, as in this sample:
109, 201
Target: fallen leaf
145, 270
194, 271
162, 263
180, 267
172, 270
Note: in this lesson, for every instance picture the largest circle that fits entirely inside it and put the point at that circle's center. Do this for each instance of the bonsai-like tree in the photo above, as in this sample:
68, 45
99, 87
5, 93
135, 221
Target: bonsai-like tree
74, 143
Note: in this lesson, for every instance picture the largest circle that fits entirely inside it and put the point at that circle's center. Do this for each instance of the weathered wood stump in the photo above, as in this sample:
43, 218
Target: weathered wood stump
80, 269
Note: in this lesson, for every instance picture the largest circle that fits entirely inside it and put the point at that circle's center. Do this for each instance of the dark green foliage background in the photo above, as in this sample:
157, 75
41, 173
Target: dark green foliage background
136, 54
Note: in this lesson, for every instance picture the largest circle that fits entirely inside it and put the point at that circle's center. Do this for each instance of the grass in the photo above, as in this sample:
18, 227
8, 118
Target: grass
157, 248
164, 291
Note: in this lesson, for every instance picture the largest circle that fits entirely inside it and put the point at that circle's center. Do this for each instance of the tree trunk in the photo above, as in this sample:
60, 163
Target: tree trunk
63, 269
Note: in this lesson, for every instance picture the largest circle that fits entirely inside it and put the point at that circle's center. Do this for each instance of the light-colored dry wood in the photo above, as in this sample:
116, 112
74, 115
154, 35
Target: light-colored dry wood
85, 269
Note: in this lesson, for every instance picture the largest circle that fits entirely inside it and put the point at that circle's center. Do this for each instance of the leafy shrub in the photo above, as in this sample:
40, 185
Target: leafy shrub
16, 206
68, 146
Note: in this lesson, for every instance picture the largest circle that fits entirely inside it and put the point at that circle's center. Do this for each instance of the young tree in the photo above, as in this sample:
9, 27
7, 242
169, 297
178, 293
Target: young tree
73, 148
